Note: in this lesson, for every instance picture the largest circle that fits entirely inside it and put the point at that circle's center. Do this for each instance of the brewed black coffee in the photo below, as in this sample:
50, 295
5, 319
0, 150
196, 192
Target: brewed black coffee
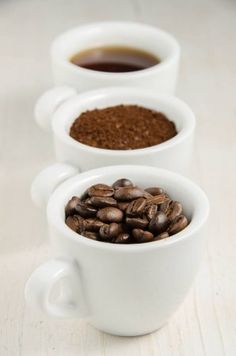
115, 59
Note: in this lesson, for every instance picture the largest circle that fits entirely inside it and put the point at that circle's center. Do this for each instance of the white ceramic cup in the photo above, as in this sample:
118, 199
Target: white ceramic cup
161, 77
59, 107
120, 289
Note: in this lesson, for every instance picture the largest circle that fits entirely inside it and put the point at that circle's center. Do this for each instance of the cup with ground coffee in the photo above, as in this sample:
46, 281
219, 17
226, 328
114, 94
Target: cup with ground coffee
127, 254
116, 54
117, 126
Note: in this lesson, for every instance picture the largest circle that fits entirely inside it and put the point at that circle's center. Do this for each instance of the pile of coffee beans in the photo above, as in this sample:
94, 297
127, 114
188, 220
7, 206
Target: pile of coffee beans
122, 127
124, 213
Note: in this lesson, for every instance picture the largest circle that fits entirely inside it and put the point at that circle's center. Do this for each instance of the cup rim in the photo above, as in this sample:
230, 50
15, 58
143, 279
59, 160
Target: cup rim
60, 131
197, 221
170, 41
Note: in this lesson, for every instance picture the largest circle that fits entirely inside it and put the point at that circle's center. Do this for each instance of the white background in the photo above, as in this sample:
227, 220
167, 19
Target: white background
205, 324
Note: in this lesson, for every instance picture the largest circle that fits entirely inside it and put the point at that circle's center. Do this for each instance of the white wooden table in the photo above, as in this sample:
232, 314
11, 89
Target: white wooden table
206, 323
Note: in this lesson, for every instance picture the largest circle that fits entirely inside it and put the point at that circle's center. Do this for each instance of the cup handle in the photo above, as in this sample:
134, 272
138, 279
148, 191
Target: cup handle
39, 289
48, 179
49, 102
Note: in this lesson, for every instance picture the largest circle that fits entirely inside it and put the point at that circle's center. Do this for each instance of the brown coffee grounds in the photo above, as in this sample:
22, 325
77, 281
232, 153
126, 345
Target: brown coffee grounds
122, 127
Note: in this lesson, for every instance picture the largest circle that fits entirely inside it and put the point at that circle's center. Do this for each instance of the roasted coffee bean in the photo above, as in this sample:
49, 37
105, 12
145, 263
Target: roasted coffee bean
71, 205
159, 223
136, 207
93, 224
139, 223
154, 190
115, 229
123, 205
91, 235
142, 236
108, 232
161, 236
84, 196
147, 195
100, 190
76, 223
128, 193
165, 206
177, 225
123, 182
101, 202
174, 209
110, 214
151, 211
86, 211
156, 199
104, 232
123, 238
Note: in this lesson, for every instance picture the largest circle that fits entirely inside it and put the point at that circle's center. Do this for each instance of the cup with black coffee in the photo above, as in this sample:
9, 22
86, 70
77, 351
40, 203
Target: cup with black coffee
116, 53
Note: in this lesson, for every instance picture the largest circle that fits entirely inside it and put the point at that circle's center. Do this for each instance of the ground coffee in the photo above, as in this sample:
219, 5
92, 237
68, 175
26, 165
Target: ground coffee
122, 127
124, 213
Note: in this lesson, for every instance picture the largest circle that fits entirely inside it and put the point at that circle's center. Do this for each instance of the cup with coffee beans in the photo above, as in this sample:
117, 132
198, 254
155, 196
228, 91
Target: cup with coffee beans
117, 126
129, 240
116, 53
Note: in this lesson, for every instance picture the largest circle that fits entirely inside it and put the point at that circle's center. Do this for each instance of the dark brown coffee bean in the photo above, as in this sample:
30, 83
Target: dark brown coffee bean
139, 223
178, 224
154, 190
123, 182
91, 235
76, 223
147, 195
93, 224
115, 229
159, 223
142, 236
165, 206
100, 190
128, 193
151, 211
136, 207
85, 210
84, 196
161, 236
123, 205
104, 233
175, 209
123, 238
101, 202
108, 232
110, 214
156, 199
71, 205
